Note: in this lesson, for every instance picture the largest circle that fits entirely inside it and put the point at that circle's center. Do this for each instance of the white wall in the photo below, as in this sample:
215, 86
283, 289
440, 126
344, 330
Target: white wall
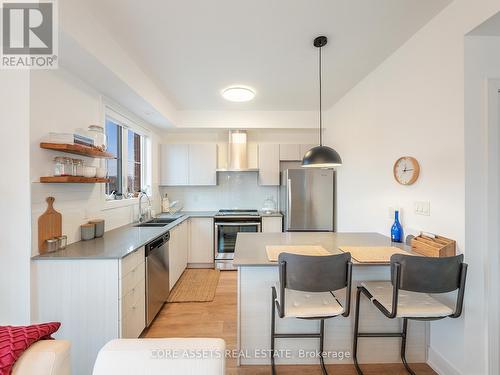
482, 127
14, 199
60, 102
413, 104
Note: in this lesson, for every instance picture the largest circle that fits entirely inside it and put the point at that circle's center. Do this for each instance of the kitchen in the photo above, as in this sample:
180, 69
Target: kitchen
163, 196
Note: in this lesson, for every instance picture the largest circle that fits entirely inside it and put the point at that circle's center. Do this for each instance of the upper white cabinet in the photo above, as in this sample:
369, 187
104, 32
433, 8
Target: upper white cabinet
193, 164
294, 152
203, 164
289, 152
201, 249
174, 164
304, 149
269, 164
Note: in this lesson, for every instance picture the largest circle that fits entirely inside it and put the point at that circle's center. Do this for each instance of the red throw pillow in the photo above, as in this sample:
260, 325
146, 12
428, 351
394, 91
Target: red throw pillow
15, 340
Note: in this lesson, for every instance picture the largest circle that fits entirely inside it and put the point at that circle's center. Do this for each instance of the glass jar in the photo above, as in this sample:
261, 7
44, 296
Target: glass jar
97, 133
78, 167
67, 167
59, 166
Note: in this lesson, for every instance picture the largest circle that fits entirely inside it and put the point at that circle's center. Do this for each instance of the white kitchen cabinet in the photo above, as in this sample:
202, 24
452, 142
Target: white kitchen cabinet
294, 152
201, 249
269, 164
289, 152
178, 248
132, 295
188, 164
96, 301
304, 148
272, 224
202, 164
174, 164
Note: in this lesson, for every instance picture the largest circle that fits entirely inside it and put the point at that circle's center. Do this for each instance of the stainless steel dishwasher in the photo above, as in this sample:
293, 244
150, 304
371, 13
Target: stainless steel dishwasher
157, 276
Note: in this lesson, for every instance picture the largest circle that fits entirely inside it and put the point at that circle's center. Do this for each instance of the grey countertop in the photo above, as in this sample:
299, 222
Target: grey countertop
115, 244
251, 247
120, 242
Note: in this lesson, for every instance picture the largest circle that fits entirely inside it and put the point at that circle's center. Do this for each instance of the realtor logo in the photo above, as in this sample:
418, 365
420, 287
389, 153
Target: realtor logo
29, 35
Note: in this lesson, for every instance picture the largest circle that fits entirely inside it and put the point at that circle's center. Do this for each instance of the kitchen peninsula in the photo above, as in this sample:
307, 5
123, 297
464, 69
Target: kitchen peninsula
256, 277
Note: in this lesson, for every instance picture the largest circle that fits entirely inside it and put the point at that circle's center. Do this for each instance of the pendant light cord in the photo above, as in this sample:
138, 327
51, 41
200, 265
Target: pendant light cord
320, 103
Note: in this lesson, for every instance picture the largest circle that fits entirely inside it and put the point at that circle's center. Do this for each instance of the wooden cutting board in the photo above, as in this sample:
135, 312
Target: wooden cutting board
275, 250
373, 254
49, 225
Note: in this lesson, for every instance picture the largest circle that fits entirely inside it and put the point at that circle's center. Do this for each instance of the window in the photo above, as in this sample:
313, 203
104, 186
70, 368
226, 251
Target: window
127, 171
134, 162
114, 166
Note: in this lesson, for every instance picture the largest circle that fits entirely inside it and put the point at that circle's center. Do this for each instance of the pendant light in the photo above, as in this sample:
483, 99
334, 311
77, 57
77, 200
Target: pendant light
321, 156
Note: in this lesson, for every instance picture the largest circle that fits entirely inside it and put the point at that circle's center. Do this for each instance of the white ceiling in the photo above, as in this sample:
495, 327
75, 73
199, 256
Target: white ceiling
195, 48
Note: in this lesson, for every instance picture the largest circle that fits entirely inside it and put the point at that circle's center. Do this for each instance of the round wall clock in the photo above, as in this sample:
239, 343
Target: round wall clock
406, 170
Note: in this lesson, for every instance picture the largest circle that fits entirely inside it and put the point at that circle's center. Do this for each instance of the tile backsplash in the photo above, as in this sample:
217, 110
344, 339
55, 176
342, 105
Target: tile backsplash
233, 190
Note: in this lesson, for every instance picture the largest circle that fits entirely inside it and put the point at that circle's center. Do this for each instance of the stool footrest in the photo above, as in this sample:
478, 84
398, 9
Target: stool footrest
380, 334
297, 335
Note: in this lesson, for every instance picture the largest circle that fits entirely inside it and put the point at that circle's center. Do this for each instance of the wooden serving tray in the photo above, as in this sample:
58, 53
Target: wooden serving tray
434, 247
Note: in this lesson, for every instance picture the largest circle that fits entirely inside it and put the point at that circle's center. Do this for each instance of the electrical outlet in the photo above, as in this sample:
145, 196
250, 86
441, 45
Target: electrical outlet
423, 208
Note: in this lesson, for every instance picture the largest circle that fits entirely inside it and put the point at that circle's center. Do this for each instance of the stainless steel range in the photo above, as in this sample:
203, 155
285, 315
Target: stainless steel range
228, 223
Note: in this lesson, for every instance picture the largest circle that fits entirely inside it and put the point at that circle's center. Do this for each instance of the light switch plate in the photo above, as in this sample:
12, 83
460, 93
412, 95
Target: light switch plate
423, 208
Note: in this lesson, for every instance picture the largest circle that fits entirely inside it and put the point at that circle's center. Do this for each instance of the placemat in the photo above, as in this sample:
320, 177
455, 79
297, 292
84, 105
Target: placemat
273, 251
373, 254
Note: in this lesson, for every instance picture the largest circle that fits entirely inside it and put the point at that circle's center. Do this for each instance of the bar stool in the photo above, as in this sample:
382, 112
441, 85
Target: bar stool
305, 291
407, 295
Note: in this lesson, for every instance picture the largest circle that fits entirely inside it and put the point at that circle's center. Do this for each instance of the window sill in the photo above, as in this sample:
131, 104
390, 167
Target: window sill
111, 204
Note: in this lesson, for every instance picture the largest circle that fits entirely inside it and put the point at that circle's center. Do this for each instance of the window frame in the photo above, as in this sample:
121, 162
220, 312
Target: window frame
126, 123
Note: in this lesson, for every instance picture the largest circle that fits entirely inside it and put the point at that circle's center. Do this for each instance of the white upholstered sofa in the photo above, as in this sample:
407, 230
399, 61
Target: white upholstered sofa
45, 357
172, 356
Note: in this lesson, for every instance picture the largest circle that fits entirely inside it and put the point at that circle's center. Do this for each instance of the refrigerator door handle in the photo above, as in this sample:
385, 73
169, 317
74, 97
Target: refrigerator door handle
289, 203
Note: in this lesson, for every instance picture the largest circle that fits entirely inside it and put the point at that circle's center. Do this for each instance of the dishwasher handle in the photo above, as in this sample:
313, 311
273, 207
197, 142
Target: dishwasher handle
157, 243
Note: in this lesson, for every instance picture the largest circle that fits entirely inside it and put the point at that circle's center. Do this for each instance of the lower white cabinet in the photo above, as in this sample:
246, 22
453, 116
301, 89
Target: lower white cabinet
201, 247
272, 224
178, 248
96, 300
132, 295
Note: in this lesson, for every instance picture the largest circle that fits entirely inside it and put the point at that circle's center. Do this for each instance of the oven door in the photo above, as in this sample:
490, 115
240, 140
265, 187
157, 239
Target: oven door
225, 237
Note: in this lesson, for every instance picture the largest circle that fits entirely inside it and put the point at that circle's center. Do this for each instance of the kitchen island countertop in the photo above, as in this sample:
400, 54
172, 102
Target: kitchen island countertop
250, 248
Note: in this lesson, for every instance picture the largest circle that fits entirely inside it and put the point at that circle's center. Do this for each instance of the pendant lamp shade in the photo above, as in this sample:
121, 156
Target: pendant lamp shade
321, 156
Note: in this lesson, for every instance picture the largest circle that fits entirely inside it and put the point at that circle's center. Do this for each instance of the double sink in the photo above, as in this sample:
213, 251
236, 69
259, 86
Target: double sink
156, 223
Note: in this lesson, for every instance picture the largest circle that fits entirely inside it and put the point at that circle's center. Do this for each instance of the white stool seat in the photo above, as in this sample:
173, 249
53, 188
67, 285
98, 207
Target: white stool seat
410, 304
308, 305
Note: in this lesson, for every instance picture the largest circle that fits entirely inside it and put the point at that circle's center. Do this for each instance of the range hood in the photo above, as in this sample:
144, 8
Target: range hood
237, 153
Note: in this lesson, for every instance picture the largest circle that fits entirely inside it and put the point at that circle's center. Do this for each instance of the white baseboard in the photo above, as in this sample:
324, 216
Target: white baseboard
439, 364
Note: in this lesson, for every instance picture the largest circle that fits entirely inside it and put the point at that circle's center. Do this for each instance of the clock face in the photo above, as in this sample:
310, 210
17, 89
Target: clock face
406, 170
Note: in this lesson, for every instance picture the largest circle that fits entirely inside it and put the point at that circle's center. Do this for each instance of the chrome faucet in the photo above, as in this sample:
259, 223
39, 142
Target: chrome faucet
144, 215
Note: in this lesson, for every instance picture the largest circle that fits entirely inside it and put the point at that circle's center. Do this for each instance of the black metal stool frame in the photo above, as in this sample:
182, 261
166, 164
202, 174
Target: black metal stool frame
310, 274
428, 279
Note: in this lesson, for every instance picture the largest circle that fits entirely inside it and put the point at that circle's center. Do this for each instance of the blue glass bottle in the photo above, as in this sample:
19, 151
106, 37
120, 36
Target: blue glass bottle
396, 229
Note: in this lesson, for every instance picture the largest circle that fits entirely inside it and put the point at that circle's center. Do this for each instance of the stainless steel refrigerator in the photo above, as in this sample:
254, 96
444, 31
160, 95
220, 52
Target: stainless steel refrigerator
307, 199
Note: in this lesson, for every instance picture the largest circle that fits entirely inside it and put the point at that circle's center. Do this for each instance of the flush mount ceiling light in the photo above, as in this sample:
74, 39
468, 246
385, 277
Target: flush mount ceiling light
238, 94
321, 156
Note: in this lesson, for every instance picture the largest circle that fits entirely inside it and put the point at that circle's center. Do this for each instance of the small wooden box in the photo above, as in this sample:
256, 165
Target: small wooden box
434, 247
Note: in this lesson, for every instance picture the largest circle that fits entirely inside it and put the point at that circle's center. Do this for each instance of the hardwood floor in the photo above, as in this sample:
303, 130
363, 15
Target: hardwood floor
218, 319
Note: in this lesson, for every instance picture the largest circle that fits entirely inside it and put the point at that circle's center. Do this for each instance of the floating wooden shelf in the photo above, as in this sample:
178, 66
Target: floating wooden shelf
77, 150
72, 180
